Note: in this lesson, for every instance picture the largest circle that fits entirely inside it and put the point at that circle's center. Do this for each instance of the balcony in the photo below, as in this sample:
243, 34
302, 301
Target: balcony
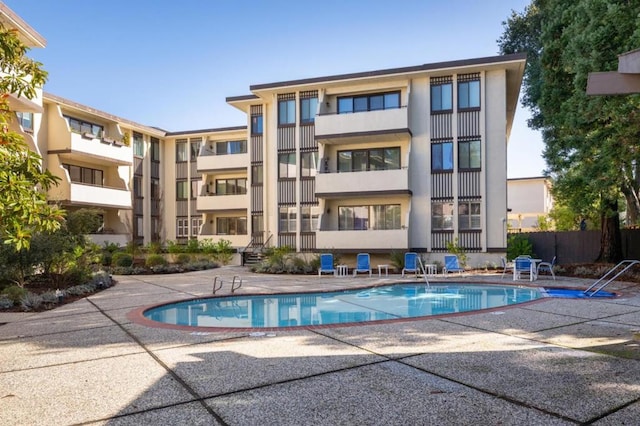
99, 196
222, 202
388, 239
378, 182
360, 127
208, 161
88, 147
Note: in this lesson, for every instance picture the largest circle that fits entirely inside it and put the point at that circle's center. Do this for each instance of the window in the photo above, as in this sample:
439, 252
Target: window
231, 147
139, 226
288, 217
26, 120
137, 187
154, 148
256, 175
286, 112
373, 102
194, 149
309, 216
231, 226
469, 155
368, 159
256, 125
155, 189
308, 107
257, 224
469, 94
138, 145
182, 227
195, 183
287, 165
441, 156
182, 189
469, 215
231, 186
308, 164
354, 218
442, 216
81, 126
441, 97
196, 224
84, 175
181, 152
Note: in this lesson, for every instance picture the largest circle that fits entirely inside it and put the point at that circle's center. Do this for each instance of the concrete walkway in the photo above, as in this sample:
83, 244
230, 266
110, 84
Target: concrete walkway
557, 361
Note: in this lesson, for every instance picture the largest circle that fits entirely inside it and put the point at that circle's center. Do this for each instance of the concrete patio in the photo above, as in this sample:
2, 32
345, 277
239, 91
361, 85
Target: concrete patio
556, 361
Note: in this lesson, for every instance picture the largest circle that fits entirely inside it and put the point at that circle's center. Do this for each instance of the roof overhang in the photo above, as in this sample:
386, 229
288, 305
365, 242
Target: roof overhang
26, 34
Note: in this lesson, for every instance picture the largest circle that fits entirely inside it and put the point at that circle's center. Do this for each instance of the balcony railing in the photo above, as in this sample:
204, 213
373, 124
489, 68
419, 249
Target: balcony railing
210, 161
99, 196
222, 202
88, 146
388, 239
332, 185
362, 126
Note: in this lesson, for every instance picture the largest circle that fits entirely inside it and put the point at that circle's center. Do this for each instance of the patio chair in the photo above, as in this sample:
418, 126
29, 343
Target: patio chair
506, 265
326, 264
522, 266
451, 264
363, 264
410, 263
547, 266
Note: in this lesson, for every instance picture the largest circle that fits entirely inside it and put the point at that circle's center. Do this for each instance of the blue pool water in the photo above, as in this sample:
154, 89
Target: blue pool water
572, 293
351, 306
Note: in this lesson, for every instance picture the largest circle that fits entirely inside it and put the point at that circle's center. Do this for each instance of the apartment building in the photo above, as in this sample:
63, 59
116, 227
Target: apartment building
396, 159
529, 201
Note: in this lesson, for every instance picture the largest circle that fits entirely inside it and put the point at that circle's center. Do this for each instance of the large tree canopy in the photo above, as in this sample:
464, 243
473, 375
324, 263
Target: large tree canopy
24, 210
591, 143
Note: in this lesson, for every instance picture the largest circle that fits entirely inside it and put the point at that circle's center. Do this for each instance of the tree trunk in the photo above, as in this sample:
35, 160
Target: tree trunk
633, 205
610, 238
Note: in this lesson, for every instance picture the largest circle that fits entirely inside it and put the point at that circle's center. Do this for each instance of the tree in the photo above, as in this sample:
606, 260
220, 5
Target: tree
24, 210
591, 143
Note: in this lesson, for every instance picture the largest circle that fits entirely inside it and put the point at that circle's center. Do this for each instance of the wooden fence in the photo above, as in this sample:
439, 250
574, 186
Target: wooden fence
579, 246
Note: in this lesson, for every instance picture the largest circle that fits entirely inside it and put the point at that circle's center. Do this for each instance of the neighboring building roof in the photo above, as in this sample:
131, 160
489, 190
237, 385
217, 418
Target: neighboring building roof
27, 35
625, 81
218, 130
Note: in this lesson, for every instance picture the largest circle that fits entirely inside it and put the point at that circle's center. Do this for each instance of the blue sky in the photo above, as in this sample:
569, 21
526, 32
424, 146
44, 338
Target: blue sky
171, 64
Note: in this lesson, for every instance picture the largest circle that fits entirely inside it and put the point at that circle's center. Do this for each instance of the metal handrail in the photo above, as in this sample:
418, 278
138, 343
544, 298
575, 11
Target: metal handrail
215, 281
233, 283
424, 272
610, 271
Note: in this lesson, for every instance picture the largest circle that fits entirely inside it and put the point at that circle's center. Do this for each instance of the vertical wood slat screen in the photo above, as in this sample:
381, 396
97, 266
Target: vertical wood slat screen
468, 124
442, 185
181, 170
287, 192
469, 184
308, 191
441, 126
286, 138
137, 166
181, 207
257, 154
256, 199
307, 137
470, 241
287, 239
308, 241
155, 169
439, 240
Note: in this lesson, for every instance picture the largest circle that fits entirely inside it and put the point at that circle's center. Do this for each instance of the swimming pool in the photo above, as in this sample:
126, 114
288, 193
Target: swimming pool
390, 302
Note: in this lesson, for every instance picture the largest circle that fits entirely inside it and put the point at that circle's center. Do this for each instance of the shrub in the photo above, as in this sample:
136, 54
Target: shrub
122, 259
154, 248
396, 258
183, 258
155, 260
5, 302
518, 244
101, 279
14, 293
31, 301
175, 248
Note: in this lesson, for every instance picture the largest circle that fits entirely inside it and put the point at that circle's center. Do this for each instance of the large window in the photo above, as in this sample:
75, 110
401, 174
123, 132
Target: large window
469, 94
256, 174
257, 224
308, 164
231, 226
26, 120
138, 145
154, 148
368, 159
85, 175
181, 152
287, 112
441, 97
469, 155
182, 190
308, 107
196, 224
231, 186
194, 149
81, 126
469, 215
287, 222
442, 216
195, 184
309, 218
354, 218
370, 102
442, 156
287, 165
256, 124
231, 147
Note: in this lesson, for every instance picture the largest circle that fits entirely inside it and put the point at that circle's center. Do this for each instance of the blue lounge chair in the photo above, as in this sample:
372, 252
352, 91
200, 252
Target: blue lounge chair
547, 266
451, 264
410, 263
326, 264
363, 264
522, 266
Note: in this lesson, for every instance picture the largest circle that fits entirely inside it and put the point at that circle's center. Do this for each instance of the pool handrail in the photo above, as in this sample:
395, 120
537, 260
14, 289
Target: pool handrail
630, 262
